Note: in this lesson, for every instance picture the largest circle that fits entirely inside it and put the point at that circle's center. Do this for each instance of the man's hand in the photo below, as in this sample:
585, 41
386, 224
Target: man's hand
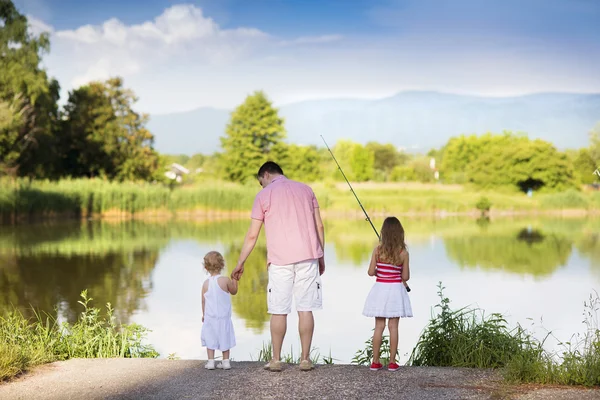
236, 274
322, 265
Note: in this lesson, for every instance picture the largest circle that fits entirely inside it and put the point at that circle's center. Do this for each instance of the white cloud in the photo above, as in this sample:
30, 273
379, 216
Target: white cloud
183, 59
181, 31
37, 26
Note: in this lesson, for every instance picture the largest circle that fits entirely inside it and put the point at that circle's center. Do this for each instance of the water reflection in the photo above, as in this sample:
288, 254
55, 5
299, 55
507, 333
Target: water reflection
47, 281
533, 254
251, 302
46, 266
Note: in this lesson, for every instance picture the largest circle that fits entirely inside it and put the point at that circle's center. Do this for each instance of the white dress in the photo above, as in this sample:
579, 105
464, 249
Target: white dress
217, 330
388, 297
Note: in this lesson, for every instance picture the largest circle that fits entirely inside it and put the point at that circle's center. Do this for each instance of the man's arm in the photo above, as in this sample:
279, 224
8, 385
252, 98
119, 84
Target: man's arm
247, 247
320, 228
321, 233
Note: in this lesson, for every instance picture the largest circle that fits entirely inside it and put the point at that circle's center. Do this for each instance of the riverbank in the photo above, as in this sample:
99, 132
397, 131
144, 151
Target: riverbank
178, 379
22, 201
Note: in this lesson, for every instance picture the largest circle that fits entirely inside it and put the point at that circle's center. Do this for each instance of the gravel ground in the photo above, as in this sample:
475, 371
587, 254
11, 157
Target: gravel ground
187, 379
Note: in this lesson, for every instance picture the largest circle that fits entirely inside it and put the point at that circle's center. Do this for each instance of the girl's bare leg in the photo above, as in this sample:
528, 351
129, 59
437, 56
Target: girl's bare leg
377, 337
211, 354
226, 355
393, 327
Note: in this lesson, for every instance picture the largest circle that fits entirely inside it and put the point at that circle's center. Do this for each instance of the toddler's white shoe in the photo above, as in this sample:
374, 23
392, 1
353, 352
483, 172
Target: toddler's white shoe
225, 364
210, 364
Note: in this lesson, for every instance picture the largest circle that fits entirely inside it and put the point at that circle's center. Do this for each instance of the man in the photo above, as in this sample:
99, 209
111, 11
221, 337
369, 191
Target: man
295, 242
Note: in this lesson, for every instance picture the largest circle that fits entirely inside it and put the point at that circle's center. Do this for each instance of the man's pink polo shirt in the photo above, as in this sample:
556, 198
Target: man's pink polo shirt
287, 209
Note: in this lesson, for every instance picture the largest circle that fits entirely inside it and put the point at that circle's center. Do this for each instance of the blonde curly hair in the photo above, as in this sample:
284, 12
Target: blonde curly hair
214, 262
392, 241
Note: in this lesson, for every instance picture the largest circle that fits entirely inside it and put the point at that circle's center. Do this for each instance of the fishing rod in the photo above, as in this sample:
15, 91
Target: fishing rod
344, 175
354, 193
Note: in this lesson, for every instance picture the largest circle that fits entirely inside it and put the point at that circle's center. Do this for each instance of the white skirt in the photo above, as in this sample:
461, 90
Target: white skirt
218, 334
388, 300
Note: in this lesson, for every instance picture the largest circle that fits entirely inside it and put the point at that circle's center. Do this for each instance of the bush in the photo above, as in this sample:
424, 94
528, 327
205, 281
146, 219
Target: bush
26, 343
466, 338
483, 205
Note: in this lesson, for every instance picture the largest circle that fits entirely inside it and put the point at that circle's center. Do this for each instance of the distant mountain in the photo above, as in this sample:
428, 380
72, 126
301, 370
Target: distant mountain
412, 120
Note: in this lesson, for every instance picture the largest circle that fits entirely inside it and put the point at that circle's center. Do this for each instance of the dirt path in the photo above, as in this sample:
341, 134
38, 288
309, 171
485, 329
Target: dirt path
169, 379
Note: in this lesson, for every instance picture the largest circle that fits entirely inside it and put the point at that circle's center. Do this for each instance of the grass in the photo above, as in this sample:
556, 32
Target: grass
92, 197
265, 354
467, 338
577, 364
365, 355
25, 343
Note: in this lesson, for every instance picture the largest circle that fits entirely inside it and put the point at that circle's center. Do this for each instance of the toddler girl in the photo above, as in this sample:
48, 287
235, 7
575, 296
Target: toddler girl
388, 297
217, 328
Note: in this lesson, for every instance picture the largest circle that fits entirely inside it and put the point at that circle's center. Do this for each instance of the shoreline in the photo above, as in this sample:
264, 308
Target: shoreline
220, 215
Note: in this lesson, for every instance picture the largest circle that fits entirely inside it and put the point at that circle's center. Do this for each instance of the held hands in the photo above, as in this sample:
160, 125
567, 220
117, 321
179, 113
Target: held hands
236, 274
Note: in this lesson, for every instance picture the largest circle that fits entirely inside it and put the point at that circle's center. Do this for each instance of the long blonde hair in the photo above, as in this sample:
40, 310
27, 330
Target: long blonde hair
392, 241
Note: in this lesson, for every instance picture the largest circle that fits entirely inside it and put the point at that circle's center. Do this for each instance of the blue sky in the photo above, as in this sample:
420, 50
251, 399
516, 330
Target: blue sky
181, 55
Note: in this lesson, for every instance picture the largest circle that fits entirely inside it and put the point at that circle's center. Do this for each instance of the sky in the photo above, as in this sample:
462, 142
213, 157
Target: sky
178, 56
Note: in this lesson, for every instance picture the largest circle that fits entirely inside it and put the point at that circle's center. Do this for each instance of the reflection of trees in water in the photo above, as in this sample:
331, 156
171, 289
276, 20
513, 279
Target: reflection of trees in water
359, 253
526, 252
251, 301
589, 245
105, 237
44, 281
530, 236
46, 264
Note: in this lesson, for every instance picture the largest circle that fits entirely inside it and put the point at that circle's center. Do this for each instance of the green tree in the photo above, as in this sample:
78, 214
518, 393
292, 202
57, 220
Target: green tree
422, 170
303, 163
196, 161
104, 136
595, 144
356, 161
584, 166
462, 151
507, 160
28, 98
523, 164
386, 157
403, 173
254, 135
362, 161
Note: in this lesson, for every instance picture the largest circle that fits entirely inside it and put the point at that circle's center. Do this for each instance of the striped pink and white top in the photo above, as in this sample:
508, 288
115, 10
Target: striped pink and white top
388, 273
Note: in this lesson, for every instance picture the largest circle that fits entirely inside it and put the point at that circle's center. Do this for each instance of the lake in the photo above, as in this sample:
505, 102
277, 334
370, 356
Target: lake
536, 271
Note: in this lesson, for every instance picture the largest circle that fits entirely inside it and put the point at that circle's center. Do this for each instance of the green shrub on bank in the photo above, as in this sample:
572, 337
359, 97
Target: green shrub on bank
26, 343
466, 338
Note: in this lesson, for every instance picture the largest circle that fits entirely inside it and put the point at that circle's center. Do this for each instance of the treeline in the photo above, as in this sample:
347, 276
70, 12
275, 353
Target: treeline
256, 133
98, 134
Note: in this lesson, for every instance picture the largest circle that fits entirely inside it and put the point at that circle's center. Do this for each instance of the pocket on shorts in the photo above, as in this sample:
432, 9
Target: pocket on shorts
269, 295
318, 293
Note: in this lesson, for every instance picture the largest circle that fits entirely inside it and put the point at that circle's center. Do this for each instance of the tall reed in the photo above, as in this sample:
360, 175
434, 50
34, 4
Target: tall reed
25, 343
466, 338
90, 197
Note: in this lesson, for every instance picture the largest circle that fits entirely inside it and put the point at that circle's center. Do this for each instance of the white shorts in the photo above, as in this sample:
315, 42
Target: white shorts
300, 279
